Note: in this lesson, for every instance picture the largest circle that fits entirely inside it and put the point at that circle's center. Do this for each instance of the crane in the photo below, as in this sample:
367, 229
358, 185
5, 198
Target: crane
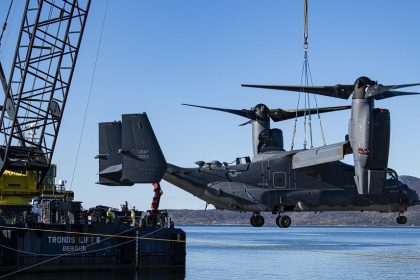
36, 92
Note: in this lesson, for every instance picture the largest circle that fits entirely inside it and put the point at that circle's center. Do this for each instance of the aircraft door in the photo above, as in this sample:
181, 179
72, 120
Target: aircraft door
277, 172
265, 181
291, 182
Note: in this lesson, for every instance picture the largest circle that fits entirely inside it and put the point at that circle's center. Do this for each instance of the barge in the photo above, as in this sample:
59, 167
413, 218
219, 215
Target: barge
66, 247
63, 237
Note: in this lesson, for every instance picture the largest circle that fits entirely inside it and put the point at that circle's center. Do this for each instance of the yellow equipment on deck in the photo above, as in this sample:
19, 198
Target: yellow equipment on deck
18, 188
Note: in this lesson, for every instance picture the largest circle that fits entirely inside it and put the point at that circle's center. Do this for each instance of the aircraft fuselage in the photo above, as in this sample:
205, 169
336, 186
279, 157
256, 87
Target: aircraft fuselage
270, 184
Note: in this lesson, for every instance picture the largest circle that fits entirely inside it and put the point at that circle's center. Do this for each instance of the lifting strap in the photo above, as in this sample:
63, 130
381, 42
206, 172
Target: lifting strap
306, 80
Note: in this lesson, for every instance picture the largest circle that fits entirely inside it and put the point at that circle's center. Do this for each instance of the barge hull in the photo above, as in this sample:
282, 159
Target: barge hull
66, 247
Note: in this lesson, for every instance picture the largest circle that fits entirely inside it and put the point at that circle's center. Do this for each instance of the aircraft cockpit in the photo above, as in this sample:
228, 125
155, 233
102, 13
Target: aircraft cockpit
392, 181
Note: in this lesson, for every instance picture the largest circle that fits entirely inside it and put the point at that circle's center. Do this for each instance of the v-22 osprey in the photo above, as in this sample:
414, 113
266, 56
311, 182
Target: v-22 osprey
275, 180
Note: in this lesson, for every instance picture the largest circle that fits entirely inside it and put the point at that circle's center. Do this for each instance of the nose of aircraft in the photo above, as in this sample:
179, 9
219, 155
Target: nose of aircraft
413, 196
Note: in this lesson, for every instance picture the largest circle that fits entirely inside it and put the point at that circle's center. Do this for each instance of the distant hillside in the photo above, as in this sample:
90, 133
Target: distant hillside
221, 217
412, 182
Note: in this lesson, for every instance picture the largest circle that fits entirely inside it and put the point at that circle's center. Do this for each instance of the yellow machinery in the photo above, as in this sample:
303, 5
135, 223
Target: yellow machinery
18, 188
35, 94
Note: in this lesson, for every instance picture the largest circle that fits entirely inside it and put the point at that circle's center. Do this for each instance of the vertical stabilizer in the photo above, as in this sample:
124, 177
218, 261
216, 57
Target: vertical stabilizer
143, 160
129, 152
110, 160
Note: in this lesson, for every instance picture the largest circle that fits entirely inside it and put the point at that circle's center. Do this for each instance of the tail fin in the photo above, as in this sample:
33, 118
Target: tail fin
110, 161
129, 152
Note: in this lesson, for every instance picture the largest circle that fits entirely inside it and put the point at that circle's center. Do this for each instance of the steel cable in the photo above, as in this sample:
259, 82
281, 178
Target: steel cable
89, 95
5, 22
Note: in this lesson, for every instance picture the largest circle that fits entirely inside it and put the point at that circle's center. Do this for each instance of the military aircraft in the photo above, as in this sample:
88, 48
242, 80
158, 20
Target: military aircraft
275, 180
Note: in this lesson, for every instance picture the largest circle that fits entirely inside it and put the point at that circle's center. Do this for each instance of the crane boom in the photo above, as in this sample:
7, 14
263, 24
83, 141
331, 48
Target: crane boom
39, 81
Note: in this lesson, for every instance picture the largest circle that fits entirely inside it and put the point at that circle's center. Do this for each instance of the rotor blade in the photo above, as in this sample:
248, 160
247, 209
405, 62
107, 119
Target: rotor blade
381, 92
249, 114
391, 87
388, 94
337, 91
281, 115
245, 123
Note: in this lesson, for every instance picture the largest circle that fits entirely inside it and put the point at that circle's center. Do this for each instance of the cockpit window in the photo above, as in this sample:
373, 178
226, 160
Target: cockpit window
391, 179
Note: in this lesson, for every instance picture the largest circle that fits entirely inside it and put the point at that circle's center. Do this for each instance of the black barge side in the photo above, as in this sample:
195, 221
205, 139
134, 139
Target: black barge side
66, 247
58, 235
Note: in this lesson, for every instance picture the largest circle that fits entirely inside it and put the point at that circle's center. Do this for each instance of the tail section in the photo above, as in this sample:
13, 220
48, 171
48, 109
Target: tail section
110, 161
129, 152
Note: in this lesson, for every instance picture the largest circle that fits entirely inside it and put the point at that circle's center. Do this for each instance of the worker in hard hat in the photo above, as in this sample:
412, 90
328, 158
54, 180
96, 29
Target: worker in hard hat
36, 210
110, 216
133, 216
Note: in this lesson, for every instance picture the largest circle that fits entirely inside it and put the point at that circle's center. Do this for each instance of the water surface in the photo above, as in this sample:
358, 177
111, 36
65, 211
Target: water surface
243, 252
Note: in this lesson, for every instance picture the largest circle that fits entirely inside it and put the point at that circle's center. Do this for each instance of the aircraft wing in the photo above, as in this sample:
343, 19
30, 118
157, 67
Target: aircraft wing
321, 155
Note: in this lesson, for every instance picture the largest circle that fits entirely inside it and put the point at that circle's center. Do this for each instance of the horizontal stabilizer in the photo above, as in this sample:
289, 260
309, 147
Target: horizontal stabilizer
111, 171
321, 155
111, 176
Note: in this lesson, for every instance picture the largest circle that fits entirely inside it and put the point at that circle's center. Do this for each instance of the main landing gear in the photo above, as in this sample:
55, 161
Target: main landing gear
283, 221
256, 220
401, 219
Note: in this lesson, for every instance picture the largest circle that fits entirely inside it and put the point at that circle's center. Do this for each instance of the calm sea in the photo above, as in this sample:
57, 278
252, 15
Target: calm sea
243, 252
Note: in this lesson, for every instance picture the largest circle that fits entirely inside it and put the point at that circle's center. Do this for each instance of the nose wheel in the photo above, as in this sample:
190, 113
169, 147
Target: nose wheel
401, 220
283, 221
256, 220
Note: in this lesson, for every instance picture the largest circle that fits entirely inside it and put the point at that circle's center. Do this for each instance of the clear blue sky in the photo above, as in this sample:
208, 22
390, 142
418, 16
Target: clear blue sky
156, 55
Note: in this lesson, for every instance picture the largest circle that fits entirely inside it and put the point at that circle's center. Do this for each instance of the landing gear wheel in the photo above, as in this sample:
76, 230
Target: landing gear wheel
283, 221
401, 220
278, 221
259, 221
252, 221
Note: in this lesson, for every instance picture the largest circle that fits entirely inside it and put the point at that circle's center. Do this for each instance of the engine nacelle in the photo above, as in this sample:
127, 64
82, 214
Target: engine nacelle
369, 133
270, 140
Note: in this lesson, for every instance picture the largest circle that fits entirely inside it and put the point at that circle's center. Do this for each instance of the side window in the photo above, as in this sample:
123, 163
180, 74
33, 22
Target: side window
279, 179
391, 179
51, 171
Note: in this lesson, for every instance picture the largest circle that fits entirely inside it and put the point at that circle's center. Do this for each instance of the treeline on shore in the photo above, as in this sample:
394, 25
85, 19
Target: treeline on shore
224, 217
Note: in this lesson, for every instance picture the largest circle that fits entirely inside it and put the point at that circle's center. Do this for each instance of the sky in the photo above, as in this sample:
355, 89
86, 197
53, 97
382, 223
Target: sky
155, 55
